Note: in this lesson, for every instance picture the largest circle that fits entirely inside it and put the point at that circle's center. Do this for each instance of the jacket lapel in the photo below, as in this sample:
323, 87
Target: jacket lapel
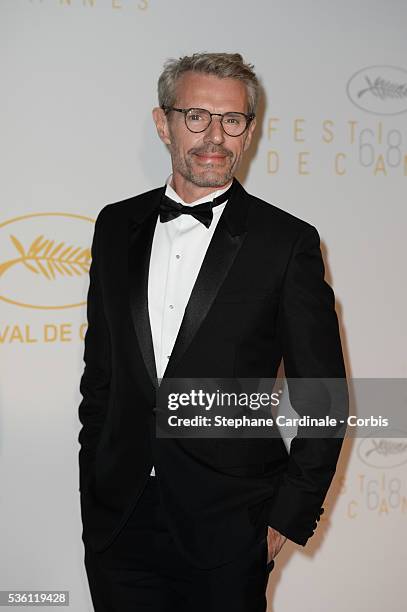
223, 248
141, 233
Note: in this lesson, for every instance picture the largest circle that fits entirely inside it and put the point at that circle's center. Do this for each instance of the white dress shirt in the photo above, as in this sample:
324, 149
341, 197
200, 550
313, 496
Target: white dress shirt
178, 249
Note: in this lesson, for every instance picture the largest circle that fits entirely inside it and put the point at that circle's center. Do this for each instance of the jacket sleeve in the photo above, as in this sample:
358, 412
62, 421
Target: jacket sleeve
95, 380
316, 377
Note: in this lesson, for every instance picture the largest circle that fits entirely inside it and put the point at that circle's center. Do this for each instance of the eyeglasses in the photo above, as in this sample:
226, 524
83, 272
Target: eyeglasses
199, 119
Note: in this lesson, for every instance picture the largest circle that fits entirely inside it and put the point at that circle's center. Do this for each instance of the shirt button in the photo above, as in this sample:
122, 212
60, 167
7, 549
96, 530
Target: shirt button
177, 256
171, 306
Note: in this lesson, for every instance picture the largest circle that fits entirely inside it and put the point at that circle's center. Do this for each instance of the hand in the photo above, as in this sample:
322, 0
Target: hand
275, 542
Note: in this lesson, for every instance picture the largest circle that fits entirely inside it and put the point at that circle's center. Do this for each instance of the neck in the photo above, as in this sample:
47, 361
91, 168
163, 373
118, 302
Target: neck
189, 192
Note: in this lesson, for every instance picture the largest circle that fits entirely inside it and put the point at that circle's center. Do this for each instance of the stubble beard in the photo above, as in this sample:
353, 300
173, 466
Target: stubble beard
208, 177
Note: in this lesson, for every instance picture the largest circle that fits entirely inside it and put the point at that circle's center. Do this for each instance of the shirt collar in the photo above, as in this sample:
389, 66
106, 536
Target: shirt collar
171, 193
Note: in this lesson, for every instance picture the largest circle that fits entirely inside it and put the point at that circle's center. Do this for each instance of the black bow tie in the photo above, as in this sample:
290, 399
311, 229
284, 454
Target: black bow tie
169, 209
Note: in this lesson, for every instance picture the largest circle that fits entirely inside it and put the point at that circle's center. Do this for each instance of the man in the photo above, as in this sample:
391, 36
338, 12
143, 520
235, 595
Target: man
184, 289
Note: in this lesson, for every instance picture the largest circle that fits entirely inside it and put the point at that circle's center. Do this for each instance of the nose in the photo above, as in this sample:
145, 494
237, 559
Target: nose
214, 133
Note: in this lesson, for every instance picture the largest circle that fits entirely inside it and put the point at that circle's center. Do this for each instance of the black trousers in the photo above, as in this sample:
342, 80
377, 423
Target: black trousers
143, 570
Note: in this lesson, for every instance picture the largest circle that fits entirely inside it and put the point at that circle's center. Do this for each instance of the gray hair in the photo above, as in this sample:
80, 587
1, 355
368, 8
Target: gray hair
222, 65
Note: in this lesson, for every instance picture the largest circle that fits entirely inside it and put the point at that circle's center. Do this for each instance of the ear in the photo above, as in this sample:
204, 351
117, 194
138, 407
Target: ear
161, 123
249, 134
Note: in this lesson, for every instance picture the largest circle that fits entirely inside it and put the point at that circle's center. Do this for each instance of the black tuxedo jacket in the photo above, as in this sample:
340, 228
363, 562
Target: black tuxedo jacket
260, 296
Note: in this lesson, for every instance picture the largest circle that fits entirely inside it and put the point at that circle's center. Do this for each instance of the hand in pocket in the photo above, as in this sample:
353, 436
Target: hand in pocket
275, 542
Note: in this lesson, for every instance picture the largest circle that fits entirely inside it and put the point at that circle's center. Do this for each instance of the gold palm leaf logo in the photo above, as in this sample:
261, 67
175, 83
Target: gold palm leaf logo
49, 259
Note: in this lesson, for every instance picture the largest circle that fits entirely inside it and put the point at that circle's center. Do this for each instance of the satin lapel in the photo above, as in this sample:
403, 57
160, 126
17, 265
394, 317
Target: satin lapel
141, 233
220, 255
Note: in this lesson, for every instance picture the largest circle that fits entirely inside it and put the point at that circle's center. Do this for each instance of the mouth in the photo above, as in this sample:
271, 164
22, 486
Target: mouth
210, 157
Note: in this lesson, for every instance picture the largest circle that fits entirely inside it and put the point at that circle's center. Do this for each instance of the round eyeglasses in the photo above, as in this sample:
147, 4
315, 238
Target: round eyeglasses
199, 119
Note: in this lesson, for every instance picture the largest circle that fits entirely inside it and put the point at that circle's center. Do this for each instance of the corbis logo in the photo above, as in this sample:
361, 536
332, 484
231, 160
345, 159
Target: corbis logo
383, 452
381, 90
45, 260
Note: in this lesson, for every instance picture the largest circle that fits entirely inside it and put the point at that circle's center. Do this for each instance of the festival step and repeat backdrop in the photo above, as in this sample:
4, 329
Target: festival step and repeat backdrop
78, 85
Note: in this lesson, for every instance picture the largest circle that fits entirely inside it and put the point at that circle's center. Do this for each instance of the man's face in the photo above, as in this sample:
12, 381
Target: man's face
209, 158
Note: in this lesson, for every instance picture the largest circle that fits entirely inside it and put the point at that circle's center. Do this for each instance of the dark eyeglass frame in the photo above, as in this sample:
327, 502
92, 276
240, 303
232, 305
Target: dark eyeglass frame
249, 118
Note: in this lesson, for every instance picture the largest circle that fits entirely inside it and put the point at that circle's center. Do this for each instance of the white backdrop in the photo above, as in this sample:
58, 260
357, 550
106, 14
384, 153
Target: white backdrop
78, 84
